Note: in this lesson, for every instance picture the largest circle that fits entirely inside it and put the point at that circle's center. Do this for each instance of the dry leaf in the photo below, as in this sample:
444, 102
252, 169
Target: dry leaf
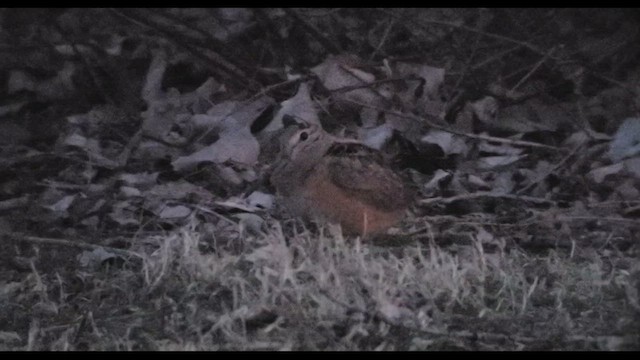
254, 202
124, 214
432, 186
492, 162
174, 212
424, 95
375, 137
300, 106
598, 175
236, 143
260, 200
62, 205
626, 141
448, 142
94, 258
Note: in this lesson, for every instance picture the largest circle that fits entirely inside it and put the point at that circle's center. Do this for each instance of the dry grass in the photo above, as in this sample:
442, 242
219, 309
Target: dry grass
321, 291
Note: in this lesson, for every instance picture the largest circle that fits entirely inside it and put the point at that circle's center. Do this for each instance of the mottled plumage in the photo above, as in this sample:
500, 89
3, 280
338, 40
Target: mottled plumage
340, 180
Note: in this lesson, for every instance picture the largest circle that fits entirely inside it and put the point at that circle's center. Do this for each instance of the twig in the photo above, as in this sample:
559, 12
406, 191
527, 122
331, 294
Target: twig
95, 79
123, 158
464, 221
219, 63
364, 82
216, 214
452, 131
452, 103
598, 218
63, 242
14, 203
549, 172
520, 43
373, 83
533, 70
631, 209
384, 38
210, 42
422, 24
482, 194
273, 87
330, 46
494, 57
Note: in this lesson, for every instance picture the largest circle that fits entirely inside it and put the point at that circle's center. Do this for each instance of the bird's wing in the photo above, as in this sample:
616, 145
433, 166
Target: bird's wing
359, 171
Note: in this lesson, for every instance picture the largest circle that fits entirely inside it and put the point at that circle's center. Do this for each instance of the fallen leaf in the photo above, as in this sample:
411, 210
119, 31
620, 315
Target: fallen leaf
492, 162
300, 106
598, 175
236, 143
626, 141
340, 71
376, 137
174, 212
62, 205
433, 185
94, 258
449, 143
124, 214
260, 200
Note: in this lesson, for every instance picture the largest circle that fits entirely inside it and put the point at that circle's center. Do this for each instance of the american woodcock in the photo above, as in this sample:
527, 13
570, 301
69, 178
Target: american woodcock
321, 176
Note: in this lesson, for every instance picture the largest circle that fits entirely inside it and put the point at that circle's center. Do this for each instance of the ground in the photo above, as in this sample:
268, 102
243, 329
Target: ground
136, 211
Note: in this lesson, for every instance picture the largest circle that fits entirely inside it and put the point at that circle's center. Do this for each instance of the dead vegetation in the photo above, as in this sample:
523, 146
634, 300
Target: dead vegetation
136, 214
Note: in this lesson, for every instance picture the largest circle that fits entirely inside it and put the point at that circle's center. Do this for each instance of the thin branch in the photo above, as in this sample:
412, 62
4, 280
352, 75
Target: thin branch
384, 38
549, 172
482, 194
273, 87
10, 204
467, 65
422, 23
330, 46
373, 83
599, 218
210, 43
68, 243
520, 43
496, 56
456, 132
215, 61
533, 70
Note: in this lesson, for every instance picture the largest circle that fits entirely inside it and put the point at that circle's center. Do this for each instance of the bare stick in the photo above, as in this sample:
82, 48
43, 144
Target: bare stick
481, 194
598, 218
63, 242
547, 173
216, 62
533, 70
383, 40
273, 87
524, 44
373, 83
14, 203
472, 136
334, 49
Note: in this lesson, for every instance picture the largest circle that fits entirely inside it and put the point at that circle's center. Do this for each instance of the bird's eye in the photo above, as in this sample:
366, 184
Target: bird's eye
304, 136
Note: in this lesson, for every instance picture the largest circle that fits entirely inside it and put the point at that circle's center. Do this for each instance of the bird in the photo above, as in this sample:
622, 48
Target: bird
319, 176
